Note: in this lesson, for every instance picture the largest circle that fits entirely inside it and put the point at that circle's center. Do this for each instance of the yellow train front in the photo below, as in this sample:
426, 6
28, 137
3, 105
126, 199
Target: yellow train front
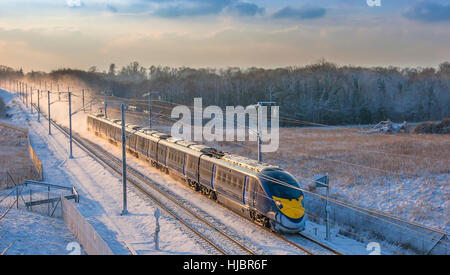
283, 202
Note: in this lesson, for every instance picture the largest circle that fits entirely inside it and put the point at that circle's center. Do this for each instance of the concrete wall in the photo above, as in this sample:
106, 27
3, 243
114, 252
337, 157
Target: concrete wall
91, 241
379, 227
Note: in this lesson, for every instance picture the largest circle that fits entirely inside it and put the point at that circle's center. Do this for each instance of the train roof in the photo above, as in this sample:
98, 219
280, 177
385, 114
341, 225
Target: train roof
248, 163
223, 158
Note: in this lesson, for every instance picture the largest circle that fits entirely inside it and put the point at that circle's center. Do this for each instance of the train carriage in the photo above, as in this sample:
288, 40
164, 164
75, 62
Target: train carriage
193, 165
176, 156
142, 144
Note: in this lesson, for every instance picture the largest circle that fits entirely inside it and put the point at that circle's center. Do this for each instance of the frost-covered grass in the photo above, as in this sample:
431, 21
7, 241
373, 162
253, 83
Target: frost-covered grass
33, 234
406, 175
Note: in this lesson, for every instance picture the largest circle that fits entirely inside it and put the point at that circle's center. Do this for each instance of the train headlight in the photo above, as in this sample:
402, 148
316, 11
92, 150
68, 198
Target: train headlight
278, 204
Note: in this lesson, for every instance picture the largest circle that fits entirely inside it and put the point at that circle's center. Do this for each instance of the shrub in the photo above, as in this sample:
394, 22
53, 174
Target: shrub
444, 126
424, 128
429, 127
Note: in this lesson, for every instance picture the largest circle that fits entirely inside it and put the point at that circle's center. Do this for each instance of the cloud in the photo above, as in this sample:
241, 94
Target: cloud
300, 13
186, 8
192, 8
429, 12
74, 3
246, 9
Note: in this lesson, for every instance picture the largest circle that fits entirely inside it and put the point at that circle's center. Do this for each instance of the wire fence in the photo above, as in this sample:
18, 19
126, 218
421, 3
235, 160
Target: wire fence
39, 197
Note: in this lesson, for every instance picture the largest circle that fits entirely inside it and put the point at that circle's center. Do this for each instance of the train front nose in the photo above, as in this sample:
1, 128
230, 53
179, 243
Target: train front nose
291, 215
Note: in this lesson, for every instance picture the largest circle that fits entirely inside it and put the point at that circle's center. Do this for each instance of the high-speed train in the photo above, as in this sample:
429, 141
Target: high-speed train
263, 193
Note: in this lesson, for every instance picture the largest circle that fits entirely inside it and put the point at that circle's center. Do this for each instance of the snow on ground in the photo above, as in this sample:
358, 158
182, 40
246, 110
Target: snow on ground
33, 234
101, 193
428, 200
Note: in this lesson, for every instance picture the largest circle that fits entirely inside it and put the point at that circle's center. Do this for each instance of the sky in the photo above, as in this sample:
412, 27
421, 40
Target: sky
52, 34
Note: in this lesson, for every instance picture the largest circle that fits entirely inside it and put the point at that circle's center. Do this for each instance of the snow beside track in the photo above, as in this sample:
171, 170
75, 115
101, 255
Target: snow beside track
33, 234
101, 193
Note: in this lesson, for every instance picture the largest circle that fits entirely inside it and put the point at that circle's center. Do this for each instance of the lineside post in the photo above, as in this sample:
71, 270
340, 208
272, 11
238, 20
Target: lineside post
124, 162
106, 104
39, 106
49, 114
82, 91
26, 95
31, 99
259, 115
323, 181
157, 215
70, 124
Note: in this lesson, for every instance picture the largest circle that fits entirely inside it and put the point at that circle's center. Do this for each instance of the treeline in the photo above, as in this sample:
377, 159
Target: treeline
320, 93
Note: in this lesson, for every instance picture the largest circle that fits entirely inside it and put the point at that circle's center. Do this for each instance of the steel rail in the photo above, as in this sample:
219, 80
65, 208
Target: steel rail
320, 244
142, 178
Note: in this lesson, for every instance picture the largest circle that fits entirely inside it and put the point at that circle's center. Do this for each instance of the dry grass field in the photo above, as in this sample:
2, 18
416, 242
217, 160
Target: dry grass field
406, 175
14, 155
354, 157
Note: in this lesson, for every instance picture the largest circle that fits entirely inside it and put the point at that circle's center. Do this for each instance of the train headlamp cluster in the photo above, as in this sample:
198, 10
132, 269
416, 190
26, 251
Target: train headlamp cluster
278, 204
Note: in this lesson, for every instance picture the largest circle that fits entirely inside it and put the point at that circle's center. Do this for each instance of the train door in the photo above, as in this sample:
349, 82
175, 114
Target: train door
164, 155
253, 191
184, 164
157, 157
245, 196
213, 177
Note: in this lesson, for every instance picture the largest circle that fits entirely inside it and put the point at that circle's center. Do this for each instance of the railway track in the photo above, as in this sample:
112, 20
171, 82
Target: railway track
327, 248
215, 238
317, 247
220, 242
302, 249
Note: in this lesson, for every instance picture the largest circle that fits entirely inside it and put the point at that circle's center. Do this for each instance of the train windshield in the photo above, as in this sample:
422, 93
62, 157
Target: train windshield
279, 184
